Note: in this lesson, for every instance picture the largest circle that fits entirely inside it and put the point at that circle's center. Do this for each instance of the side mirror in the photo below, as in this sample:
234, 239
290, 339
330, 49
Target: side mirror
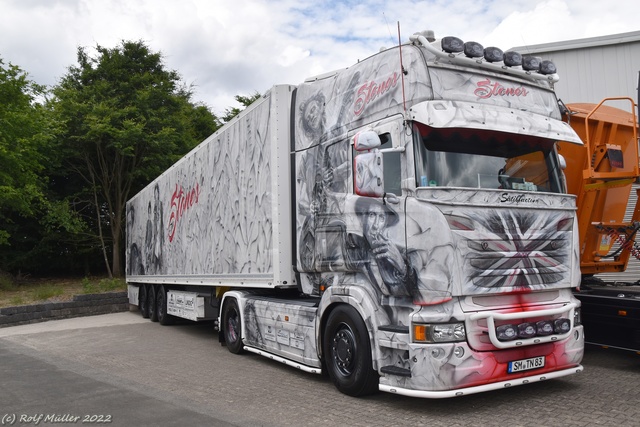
563, 162
369, 178
366, 140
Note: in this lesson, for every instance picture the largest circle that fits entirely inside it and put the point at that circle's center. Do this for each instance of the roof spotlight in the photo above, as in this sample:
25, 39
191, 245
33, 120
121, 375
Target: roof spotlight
452, 44
493, 54
473, 50
512, 59
531, 63
548, 67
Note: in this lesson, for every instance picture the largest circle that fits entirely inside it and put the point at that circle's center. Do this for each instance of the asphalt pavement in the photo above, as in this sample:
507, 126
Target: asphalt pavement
123, 370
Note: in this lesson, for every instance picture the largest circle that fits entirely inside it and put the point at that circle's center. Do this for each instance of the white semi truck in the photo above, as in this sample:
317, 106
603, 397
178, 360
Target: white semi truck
402, 224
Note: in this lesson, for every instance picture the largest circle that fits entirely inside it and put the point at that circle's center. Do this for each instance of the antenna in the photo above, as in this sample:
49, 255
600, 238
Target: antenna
404, 101
388, 29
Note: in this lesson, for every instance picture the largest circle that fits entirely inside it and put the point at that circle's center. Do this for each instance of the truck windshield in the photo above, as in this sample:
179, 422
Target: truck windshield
457, 157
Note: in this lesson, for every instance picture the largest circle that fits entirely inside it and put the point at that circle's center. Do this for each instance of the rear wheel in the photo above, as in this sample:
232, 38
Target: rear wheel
142, 301
151, 303
347, 353
232, 326
161, 306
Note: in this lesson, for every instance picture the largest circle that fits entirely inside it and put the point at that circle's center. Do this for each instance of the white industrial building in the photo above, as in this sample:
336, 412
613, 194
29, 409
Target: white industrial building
590, 70
593, 68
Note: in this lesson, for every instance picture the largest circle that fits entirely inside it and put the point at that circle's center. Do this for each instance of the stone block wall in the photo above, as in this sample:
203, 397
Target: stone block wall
81, 305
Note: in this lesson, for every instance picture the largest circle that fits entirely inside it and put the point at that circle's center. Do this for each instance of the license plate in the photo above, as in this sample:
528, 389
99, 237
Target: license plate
526, 364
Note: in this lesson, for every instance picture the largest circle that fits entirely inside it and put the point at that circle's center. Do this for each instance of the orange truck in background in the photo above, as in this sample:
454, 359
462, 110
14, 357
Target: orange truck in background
601, 173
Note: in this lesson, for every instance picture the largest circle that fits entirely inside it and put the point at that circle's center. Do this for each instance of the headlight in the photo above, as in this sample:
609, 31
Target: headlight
439, 332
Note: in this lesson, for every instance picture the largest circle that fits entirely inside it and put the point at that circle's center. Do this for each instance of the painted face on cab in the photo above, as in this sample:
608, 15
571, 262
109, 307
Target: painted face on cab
313, 114
376, 220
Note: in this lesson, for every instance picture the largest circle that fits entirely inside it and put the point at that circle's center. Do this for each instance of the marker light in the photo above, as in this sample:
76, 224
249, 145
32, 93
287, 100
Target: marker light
512, 59
547, 67
452, 44
493, 54
473, 50
531, 63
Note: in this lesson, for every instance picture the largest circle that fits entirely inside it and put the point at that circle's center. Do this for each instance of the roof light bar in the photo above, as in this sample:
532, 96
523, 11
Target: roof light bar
473, 54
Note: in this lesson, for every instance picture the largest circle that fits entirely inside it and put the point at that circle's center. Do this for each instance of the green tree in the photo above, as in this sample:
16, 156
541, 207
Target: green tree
245, 101
124, 118
32, 223
22, 123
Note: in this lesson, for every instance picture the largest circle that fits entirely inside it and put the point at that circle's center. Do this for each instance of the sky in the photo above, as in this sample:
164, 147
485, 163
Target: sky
224, 48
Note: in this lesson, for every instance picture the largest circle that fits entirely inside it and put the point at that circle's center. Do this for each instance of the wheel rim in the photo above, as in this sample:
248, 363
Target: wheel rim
232, 327
344, 350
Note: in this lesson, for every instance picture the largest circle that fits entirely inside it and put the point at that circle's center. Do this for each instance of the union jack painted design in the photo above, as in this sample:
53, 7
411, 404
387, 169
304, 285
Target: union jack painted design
519, 250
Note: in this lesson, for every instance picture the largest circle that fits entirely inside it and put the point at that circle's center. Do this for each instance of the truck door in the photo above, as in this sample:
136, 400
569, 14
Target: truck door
376, 234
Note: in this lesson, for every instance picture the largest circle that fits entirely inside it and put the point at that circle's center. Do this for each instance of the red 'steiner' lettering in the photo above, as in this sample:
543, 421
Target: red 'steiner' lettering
486, 89
181, 200
371, 90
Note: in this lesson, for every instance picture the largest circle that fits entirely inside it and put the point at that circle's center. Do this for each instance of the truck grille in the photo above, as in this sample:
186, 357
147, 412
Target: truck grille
519, 249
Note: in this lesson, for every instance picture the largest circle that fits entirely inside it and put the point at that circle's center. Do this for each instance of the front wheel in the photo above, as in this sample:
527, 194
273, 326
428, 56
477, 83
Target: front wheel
347, 353
232, 326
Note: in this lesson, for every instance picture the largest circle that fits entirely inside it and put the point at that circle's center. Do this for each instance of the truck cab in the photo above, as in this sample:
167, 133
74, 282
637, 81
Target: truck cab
430, 196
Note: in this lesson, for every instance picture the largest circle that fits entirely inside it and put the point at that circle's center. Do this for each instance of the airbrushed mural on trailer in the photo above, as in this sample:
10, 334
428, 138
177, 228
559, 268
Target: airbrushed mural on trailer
224, 207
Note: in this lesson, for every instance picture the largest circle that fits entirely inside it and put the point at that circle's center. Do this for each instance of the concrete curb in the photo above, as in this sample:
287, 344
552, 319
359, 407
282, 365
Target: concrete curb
81, 305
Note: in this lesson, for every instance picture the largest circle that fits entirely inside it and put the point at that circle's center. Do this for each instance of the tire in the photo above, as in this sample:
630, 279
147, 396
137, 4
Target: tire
161, 306
142, 301
151, 303
232, 326
347, 353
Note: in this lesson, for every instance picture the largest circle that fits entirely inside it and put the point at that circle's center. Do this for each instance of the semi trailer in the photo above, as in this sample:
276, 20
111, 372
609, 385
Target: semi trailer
402, 225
